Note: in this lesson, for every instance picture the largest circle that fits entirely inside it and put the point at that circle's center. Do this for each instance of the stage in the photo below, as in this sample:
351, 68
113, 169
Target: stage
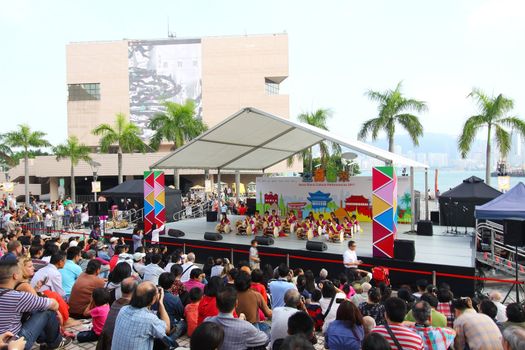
448, 256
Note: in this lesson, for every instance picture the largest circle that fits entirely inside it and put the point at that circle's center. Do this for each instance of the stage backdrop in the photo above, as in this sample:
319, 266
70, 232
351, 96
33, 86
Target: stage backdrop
342, 197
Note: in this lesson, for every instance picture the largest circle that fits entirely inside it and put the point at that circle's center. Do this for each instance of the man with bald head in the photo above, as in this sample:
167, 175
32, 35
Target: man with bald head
137, 326
281, 314
495, 297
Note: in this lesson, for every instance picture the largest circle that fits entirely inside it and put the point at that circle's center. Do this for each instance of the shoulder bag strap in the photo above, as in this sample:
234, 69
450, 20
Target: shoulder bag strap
329, 308
399, 347
186, 269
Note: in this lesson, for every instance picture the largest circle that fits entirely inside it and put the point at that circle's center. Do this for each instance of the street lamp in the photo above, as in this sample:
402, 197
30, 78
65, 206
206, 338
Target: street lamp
94, 167
348, 157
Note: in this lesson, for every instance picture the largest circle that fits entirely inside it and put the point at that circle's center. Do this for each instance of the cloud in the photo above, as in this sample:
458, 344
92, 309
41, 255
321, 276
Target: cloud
14, 11
498, 15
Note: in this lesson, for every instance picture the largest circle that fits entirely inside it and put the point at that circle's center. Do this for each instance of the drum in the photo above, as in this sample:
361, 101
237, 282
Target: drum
276, 232
310, 234
300, 233
249, 230
227, 228
292, 228
218, 228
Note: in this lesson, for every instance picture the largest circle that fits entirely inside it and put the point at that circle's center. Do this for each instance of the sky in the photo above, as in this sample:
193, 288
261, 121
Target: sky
337, 49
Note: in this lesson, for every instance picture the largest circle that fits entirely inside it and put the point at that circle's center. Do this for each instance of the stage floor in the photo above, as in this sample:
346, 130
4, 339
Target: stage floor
438, 249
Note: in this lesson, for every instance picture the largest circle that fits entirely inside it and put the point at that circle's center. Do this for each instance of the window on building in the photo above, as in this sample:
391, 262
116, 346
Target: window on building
83, 92
271, 87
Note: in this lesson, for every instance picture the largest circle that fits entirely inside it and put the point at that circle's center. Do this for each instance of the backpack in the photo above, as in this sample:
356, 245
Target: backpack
380, 274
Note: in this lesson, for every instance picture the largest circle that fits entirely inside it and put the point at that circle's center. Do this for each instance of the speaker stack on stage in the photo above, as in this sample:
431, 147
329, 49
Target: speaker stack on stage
211, 216
250, 204
264, 240
212, 236
175, 233
424, 228
404, 249
97, 208
514, 235
317, 246
434, 217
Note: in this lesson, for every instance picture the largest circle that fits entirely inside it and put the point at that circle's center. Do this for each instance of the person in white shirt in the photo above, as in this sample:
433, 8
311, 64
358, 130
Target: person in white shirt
50, 276
281, 314
501, 316
187, 267
216, 269
329, 302
351, 264
155, 233
153, 270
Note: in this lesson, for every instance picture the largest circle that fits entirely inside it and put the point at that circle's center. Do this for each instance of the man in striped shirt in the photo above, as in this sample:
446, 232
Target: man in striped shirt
398, 336
42, 326
434, 338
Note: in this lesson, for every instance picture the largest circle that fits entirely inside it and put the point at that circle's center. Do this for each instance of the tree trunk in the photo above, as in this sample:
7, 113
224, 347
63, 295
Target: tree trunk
119, 154
391, 143
26, 177
487, 161
73, 187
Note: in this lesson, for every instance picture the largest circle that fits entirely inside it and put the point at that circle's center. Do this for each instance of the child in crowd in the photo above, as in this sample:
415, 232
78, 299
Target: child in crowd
98, 310
191, 311
315, 311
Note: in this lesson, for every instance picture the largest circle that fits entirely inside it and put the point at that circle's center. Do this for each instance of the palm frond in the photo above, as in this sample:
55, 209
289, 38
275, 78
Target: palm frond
412, 125
470, 128
502, 140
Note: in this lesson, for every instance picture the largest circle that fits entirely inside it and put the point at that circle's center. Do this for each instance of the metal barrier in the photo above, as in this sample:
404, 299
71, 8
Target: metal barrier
194, 211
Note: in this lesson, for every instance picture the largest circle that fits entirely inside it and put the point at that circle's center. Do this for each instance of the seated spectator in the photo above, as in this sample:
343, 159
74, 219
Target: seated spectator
115, 278
298, 324
71, 269
495, 297
173, 306
407, 296
208, 336
490, 309
421, 286
402, 337
153, 270
7, 344
375, 341
385, 291
83, 289
187, 267
434, 338
445, 297
438, 319
14, 251
138, 264
513, 338
281, 314
515, 316
329, 303
477, 331
249, 302
280, 286
36, 252
191, 311
217, 268
43, 326
238, 333
346, 331
127, 287
119, 249
50, 276
257, 284
208, 303
315, 311
373, 308
296, 342
301, 287
368, 324
98, 310
137, 326
196, 278
178, 288
360, 295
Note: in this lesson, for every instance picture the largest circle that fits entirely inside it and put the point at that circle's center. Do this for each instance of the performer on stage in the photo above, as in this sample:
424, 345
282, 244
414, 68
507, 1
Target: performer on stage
278, 228
305, 229
355, 224
257, 220
266, 221
333, 217
320, 225
224, 225
348, 227
291, 222
246, 226
335, 232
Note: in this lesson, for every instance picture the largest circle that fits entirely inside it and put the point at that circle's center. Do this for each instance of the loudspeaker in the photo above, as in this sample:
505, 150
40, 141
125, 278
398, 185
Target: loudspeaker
434, 217
175, 233
92, 209
404, 249
97, 208
514, 232
424, 228
317, 246
264, 240
211, 216
250, 203
212, 236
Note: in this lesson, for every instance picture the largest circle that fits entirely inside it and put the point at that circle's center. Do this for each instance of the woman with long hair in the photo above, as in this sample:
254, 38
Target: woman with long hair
122, 271
373, 307
309, 281
346, 332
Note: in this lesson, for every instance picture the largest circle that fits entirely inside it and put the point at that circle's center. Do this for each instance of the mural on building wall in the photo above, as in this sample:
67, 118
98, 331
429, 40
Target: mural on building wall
164, 70
346, 196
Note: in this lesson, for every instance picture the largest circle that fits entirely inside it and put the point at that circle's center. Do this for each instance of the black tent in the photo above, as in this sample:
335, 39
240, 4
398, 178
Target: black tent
134, 191
456, 206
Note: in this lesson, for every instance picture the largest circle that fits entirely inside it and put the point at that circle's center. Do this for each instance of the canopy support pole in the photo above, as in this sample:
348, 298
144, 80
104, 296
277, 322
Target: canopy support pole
413, 201
206, 177
219, 191
426, 194
237, 185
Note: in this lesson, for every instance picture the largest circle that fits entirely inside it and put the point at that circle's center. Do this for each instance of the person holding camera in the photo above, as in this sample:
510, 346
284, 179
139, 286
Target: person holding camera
293, 303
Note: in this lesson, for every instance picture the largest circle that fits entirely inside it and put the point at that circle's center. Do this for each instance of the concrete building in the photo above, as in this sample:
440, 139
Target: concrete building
133, 77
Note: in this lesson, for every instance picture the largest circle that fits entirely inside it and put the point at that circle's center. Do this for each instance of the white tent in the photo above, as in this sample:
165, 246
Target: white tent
252, 140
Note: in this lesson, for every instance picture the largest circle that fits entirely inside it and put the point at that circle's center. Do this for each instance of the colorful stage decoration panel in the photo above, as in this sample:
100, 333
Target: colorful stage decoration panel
154, 199
384, 211
347, 196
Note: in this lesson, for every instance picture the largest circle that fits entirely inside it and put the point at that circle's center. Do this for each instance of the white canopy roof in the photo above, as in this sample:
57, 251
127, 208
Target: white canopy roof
254, 140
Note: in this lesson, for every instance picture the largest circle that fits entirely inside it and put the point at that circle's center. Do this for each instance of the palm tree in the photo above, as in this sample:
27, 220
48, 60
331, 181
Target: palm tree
6, 154
75, 152
26, 139
123, 134
317, 119
177, 125
493, 115
393, 108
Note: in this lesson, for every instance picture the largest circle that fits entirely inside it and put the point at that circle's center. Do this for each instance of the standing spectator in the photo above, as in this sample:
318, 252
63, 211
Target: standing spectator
50, 276
280, 286
373, 308
250, 302
346, 331
495, 297
128, 287
329, 302
255, 262
71, 269
83, 289
187, 267
196, 278
238, 333
136, 326
399, 336
434, 338
95, 232
477, 331
153, 270
98, 309
191, 311
138, 235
